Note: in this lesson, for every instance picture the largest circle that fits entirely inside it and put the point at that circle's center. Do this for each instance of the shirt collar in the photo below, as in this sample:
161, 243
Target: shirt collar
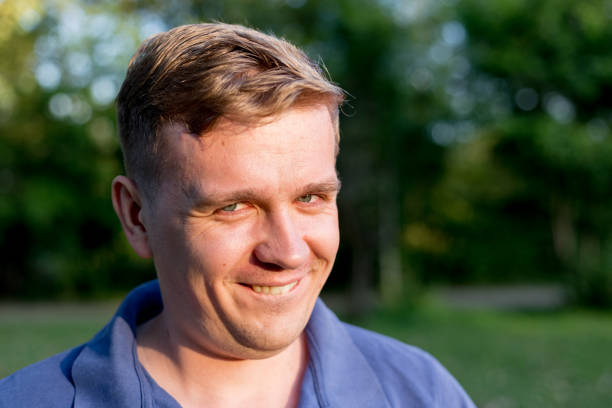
105, 372
341, 374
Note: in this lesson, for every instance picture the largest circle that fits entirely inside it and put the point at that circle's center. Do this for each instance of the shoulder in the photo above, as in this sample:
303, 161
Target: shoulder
47, 383
402, 368
351, 363
388, 352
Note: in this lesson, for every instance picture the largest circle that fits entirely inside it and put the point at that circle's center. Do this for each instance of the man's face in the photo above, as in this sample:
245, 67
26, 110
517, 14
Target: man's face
244, 232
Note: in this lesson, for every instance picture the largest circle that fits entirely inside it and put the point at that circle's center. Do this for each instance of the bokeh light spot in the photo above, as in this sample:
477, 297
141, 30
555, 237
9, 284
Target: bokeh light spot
421, 79
150, 24
453, 33
60, 105
559, 107
103, 90
442, 133
526, 99
48, 75
29, 19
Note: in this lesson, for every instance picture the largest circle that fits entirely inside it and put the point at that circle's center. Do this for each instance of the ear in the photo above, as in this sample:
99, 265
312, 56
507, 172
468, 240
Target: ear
127, 203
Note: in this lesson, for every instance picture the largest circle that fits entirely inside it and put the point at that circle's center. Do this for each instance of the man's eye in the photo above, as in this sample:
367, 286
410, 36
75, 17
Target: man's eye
306, 198
230, 208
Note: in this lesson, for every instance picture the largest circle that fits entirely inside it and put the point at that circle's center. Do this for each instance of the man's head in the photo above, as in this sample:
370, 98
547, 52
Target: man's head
194, 75
230, 139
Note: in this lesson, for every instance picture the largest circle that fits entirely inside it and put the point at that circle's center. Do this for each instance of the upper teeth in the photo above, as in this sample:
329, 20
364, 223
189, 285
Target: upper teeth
274, 290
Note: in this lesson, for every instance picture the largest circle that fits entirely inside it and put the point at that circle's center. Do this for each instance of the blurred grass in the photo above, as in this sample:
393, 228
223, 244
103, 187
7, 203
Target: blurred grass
503, 359
31, 332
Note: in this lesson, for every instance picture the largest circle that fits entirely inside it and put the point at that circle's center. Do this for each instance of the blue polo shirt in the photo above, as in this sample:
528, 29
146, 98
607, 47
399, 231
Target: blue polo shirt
348, 367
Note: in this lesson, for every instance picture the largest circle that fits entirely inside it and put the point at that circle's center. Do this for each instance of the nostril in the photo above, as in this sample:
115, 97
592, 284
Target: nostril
265, 265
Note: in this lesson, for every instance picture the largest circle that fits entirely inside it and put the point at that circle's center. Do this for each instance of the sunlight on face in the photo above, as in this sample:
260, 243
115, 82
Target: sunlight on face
245, 232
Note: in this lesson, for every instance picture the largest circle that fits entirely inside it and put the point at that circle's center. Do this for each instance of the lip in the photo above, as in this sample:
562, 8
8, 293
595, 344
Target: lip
272, 280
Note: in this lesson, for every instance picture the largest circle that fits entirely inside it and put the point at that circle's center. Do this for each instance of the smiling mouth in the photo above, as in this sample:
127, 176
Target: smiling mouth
274, 290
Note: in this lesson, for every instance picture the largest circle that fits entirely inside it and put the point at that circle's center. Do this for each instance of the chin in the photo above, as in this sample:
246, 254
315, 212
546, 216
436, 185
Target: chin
264, 343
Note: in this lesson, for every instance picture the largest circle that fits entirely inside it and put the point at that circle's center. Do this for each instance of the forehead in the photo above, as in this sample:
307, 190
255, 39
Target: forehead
297, 146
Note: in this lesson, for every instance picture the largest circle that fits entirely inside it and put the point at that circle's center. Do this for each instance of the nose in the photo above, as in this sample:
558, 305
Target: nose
283, 245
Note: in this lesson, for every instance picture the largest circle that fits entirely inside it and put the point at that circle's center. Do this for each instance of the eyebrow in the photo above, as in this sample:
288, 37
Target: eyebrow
327, 186
212, 199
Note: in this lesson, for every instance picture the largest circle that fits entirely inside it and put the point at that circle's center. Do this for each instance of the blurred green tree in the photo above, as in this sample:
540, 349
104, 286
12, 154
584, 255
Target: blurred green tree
526, 195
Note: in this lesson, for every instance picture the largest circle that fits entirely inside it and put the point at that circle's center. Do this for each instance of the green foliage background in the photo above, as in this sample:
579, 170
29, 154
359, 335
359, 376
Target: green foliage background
475, 145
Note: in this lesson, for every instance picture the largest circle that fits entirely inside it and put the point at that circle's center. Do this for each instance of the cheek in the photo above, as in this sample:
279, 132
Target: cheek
324, 238
216, 250
168, 245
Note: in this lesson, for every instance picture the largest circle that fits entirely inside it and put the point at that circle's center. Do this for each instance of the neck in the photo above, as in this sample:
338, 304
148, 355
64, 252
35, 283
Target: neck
197, 379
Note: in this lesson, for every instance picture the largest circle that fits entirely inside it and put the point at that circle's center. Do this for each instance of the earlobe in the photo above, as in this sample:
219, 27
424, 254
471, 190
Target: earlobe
128, 206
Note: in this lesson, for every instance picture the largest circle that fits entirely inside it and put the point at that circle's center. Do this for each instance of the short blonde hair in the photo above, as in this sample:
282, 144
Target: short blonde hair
197, 74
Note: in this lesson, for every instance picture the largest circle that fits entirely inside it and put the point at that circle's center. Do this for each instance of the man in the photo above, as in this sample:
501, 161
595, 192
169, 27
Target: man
230, 138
